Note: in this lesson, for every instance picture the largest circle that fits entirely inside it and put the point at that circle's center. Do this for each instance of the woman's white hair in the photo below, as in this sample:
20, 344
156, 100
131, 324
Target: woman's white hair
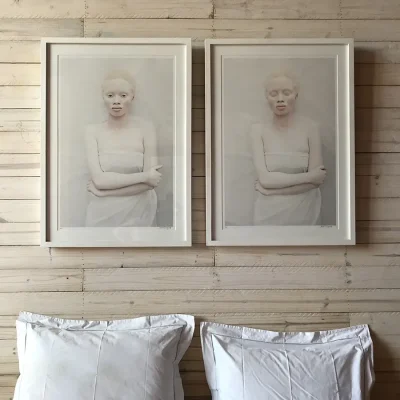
120, 74
282, 74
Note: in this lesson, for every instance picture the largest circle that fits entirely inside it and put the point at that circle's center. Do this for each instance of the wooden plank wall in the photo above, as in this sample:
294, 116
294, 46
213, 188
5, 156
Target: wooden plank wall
275, 288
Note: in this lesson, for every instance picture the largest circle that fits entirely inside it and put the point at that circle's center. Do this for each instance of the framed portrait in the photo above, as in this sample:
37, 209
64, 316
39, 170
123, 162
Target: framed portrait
280, 142
116, 142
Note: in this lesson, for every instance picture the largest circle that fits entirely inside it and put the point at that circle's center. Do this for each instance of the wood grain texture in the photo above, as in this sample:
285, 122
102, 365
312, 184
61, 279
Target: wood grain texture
380, 209
365, 52
19, 164
246, 278
42, 9
41, 280
378, 231
19, 142
197, 29
19, 97
149, 9
315, 9
244, 301
378, 141
19, 188
19, 74
377, 52
361, 255
270, 9
19, 120
377, 96
19, 234
19, 51
35, 29
37, 257
200, 29
276, 288
373, 164
19, 211
377, 74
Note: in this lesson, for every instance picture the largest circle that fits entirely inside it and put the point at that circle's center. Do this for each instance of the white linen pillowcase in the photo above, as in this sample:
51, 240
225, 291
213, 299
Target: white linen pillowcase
132, 359
244, 363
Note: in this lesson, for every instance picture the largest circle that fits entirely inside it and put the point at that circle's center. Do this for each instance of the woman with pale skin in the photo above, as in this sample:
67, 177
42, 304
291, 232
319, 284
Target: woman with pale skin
122, 160
287, 156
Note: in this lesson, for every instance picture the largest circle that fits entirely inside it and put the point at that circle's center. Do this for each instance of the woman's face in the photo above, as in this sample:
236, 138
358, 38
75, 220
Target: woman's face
281, 95
117, 96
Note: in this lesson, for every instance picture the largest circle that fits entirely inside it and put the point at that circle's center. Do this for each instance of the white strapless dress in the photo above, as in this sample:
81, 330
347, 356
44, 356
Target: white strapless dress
295, 209
122, 211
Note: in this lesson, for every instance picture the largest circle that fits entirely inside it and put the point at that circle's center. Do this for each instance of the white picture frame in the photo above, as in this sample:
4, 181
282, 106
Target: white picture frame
81, 70
236, 70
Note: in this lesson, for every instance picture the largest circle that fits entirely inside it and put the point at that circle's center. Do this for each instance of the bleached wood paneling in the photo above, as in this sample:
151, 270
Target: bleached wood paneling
19, 188
242, 301
19, 234
231, 278
149, 9
197, 29
19, 51
19, 97
215, 278
42, 9
288, 289
369, 9
365, 52
19, 164
270, 9
19, 211
7, 327
19, 74
37, 257
373, 255
43, 302
368, 30
19, 120
380, 209
19, 142
315, 9
35, 29
377, 74
40, 280
377, 52
377, 96
378, 231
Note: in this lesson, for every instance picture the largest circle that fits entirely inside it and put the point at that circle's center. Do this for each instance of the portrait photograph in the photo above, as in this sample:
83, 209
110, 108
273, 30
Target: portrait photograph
281, 120
118, 143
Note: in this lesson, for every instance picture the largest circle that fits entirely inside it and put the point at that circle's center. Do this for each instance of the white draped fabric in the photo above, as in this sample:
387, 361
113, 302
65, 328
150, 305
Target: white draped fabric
121, 211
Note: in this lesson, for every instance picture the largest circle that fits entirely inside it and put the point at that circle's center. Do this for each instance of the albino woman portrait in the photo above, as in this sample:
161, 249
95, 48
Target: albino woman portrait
287, 156
122, 161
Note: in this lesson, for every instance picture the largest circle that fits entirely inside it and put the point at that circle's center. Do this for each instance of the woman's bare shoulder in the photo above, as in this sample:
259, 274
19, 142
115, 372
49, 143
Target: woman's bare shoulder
257, 129
140, 122
92, 130
306, 122
308, 126
144, 127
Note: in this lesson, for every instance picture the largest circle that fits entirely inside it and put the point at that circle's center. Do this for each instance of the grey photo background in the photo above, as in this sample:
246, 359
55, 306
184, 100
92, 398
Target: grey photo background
244, 104
81, 104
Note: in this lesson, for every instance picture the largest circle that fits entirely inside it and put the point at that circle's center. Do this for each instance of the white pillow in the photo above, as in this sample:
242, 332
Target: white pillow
244, 363
133, 359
